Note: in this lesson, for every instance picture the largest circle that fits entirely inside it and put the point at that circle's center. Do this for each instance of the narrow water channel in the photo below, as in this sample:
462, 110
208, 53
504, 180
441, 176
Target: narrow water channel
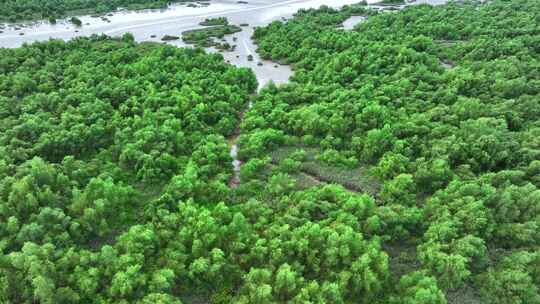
236, 162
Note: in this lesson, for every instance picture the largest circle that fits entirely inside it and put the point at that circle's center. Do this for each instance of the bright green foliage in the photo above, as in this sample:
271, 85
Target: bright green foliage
400, 190
514, 280
442, 103
14, 10
96, 133
215, 21
160, 298
417, 288
204, 37
114, 165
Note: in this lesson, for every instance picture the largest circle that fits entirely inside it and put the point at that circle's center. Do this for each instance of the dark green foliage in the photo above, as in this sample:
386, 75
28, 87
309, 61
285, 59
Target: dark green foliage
378, 175
391, 2
169, 38
418, 288
514, 280
93, 133
204, 37
215, 21
76, 21
454, 149
14, 10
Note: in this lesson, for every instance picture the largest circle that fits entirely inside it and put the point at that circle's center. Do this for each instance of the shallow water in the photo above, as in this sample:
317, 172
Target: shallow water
352, 21
236, 163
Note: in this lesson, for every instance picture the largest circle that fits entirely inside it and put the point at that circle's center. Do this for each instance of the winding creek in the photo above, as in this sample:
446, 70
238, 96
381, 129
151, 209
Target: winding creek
151, 25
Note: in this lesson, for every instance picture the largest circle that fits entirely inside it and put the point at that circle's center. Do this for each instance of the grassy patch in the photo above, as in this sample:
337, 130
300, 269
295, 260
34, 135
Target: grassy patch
402, 258
355, 179
467, 294
215, 21
303, 181
204, 37
86, 8
169, 38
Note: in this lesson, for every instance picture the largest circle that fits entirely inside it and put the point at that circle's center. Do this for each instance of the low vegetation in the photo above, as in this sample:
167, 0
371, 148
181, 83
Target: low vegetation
15, 10
215, 21
390, 2
205, 37
169, 38
453, 148
76, 21
377, 175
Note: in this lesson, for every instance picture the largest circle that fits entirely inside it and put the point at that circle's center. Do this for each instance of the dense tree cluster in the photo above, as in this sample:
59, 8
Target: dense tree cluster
214, 21
444, 104
208, 35
93, 132
114, 165
14, 10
